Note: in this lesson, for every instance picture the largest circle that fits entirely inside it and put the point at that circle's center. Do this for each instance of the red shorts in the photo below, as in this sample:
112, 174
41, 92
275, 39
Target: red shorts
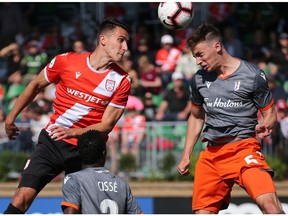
218, 168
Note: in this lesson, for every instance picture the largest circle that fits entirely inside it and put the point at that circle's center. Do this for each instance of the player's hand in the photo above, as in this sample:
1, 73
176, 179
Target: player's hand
183, 167
11, 130
262, 131
57, 132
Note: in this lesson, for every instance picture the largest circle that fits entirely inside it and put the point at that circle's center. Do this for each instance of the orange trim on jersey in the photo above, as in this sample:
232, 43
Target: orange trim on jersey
196, 106
222, 77
268, 106
67, 204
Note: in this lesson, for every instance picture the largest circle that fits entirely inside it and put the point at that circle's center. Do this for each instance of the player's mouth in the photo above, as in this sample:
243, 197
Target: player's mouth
204, 67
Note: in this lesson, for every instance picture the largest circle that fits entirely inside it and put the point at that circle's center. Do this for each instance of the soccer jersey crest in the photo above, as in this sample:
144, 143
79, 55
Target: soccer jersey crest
237, 85
110, 84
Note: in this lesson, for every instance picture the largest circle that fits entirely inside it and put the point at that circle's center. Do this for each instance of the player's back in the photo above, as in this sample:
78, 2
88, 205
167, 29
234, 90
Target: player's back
96, 191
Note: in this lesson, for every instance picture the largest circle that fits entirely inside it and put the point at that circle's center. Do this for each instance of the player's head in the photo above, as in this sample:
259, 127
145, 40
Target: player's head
113, 37
206, 46
92, 148
204, 33
109, 24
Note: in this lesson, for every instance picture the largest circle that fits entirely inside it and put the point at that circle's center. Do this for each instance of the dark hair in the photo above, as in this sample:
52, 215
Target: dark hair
109, 24
205, 32
91, 147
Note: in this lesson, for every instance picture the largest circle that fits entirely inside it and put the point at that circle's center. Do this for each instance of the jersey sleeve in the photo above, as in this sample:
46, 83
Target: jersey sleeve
71, 193
120, 97
55, 66
132, 205
262, 95
195, 97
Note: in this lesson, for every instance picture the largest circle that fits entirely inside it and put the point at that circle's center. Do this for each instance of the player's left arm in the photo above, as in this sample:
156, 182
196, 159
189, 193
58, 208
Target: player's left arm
265, 103
132, 206
109, 119
70, 210
264, 128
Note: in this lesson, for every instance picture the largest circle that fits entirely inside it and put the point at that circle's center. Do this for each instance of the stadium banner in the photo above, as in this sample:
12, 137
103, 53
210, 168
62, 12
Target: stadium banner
150, 205
51, 205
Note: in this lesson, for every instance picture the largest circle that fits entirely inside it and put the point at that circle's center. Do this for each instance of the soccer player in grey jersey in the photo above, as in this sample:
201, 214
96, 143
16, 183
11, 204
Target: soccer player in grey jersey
226, 95
95, 190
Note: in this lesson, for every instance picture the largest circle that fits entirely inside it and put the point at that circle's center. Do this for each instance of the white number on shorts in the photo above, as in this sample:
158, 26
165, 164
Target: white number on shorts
249, 159
109, 204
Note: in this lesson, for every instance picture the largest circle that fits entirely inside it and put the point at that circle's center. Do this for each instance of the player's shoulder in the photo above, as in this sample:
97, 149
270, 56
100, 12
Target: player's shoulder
117, 68
121, 180
70, 179
251, 68
72, 55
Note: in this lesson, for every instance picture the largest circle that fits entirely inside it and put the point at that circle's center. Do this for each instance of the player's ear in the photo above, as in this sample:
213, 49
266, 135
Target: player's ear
102, 40
218, 46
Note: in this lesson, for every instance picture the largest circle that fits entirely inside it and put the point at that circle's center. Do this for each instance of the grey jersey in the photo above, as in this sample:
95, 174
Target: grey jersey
97, 191
231, 103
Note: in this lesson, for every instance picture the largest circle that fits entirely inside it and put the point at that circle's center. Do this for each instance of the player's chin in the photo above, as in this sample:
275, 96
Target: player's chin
119, 57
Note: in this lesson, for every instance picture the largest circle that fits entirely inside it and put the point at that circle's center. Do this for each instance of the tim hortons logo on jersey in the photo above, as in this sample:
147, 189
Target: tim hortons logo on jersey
219, 103
110, 84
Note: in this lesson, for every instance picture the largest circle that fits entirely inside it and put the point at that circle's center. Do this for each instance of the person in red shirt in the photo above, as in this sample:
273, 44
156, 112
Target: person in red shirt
166, 58
91, 94
133, 132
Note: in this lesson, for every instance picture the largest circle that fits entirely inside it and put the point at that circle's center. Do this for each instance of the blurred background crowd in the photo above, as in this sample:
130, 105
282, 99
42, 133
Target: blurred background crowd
160, 66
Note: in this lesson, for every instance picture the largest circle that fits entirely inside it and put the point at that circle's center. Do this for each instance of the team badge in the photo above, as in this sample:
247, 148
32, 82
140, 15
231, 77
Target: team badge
110, 85
237, 85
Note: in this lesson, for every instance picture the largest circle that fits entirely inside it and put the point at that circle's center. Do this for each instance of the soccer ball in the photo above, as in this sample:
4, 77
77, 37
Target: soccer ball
175, 15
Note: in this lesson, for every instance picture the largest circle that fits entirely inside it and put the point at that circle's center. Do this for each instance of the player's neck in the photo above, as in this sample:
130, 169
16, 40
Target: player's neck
229, 65
99, 63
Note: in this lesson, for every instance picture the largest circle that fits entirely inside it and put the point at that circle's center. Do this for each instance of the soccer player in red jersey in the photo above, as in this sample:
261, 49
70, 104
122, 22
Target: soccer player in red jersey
226, 95
91, 93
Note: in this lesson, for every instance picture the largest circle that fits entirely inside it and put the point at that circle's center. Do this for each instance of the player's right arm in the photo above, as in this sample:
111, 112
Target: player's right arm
70, 210
25, 98
195, 125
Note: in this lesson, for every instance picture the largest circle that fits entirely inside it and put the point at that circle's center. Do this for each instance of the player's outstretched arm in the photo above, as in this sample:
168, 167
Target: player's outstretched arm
25, 98
195, 124
109, 119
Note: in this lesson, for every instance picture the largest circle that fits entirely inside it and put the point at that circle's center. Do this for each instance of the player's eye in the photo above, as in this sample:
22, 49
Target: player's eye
121, 40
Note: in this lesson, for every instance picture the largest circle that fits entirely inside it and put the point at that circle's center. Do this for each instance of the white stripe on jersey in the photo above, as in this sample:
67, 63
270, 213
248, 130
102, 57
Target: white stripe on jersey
113, 78
116, 105
45, 74
72, 115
